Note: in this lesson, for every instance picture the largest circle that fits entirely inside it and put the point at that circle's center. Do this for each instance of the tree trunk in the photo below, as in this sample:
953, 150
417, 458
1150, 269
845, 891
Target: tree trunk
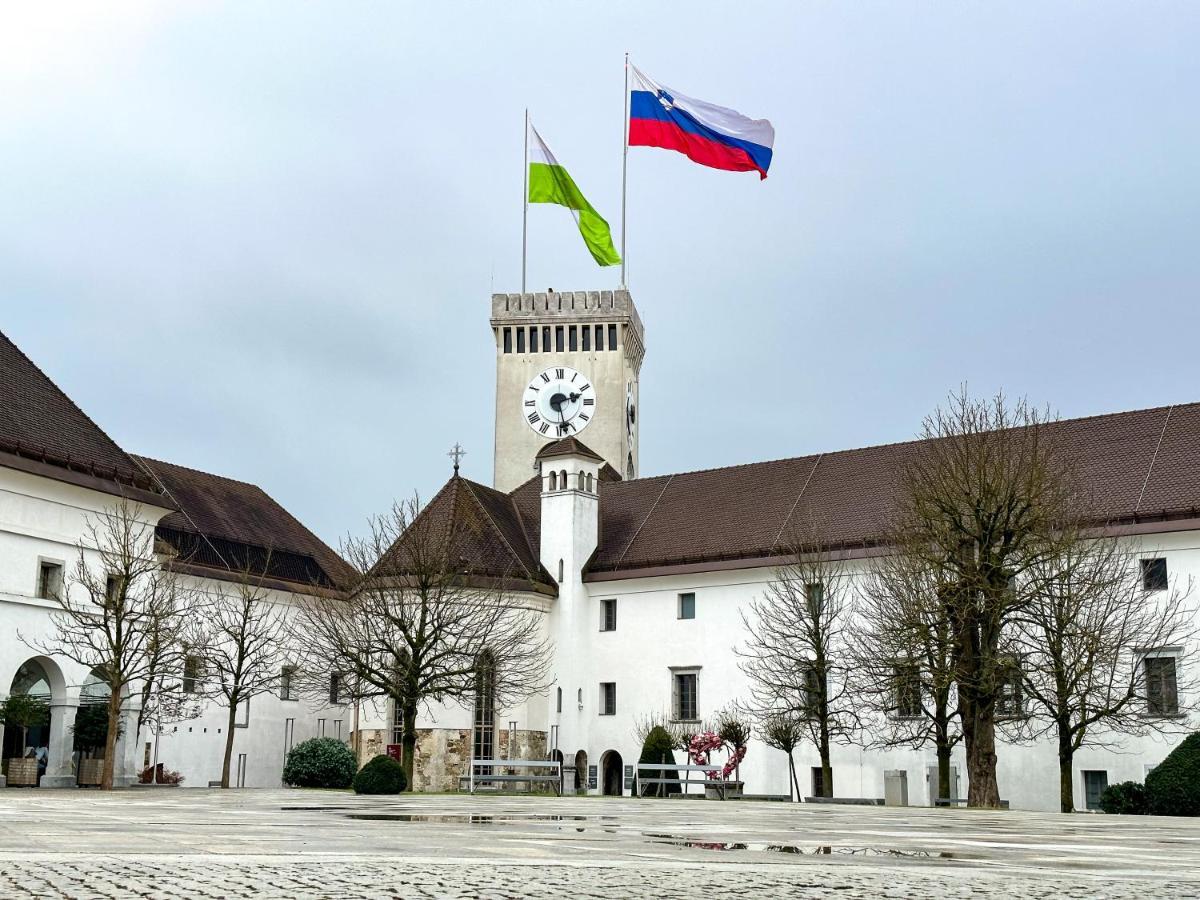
229, 732
110, 739
1066, 783
943, 761
979, 734
795, 777
408, 742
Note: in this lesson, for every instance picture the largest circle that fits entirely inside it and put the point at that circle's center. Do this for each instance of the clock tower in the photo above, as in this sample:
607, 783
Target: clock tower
567, 364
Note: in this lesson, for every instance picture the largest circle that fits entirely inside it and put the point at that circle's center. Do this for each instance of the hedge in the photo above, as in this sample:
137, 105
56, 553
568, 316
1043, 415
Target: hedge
382, 775
1173, 787
320, 763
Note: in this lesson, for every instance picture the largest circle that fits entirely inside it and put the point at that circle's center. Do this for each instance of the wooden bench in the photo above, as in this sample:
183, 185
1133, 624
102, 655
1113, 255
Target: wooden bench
474, 778
684, 782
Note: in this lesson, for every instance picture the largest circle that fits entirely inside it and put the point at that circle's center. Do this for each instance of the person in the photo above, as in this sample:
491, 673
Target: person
43, 757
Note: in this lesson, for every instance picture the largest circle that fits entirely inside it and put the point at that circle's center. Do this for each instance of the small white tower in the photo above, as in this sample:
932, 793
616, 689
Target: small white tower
570, 525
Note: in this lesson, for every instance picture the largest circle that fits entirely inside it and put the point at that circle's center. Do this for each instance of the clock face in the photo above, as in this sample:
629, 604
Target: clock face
559, 402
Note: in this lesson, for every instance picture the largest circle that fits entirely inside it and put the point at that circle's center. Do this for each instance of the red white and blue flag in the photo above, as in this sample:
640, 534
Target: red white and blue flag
704, 132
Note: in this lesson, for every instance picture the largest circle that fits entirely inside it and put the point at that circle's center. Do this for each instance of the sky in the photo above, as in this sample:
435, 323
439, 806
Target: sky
259, 239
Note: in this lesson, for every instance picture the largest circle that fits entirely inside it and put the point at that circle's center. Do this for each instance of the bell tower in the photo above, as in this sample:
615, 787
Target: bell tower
567, 364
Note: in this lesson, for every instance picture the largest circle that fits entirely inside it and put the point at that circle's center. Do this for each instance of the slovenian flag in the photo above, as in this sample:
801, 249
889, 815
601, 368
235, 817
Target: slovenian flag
704, 132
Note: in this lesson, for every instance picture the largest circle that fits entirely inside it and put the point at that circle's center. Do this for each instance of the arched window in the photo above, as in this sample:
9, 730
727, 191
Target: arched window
553, 481
589, 482
483, 742
560, 571
558, 706
581, 481
562, 479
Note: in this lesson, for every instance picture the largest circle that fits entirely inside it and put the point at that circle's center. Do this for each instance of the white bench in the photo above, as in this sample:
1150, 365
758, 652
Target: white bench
684, 782
474, 779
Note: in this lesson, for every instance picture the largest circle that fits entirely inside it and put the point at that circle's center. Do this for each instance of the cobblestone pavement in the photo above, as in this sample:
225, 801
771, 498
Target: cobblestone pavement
212, 844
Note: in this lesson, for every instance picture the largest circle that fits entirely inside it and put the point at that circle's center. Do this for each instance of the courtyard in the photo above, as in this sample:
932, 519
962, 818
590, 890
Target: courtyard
297, 843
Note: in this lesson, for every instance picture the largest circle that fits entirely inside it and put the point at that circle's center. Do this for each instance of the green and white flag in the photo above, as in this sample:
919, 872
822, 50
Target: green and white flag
550, 183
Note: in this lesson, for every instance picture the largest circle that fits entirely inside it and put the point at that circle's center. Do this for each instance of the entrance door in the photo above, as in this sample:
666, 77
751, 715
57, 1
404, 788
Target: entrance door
613, 771
1094, 783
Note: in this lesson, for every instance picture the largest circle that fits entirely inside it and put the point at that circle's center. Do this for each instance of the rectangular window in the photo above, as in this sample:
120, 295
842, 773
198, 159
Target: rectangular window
1154, 574
111, 588
533, 343
1094, 783
1011, 700
558, 701
50, 580
558, 339
608, 615
508, 340
599, 337
286, 687
687, 606
1162, 697
686, 690
242, 717
545, 338
335, 689
397, 723
337, 729
520, 340
608, 698
320, 728
906, 690
586, 334
812, 690
612, 337
191, 674
573, 337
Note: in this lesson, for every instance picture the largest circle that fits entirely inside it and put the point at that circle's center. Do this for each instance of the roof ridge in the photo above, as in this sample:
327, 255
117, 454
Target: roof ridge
164, 462
500, 531
889, 444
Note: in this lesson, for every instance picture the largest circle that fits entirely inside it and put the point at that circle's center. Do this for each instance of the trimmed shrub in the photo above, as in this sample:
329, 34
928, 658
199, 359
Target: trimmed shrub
320, 763
1173, 788
658, 749
381, 775
1127, 798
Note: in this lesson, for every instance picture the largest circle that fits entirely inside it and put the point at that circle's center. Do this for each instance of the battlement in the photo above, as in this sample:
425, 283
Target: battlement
575, 306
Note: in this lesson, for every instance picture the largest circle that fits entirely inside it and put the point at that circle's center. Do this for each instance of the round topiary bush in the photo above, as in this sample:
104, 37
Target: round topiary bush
1127, 798
1173, 788
658, 749
382, 775
320, 763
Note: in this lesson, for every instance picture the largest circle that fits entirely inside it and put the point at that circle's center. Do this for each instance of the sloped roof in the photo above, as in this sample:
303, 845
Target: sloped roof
568, 446
240, 525
487, 529
41, 424
1133, 466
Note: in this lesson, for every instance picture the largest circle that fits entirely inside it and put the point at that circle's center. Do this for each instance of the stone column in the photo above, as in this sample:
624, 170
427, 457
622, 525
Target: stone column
3, 780
126, 768
60, 771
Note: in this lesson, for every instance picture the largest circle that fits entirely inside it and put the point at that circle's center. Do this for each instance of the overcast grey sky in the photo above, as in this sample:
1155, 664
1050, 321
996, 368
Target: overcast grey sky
259, 238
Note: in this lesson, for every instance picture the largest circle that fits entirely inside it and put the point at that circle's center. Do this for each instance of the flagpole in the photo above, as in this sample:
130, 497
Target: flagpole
624, 161
525, 202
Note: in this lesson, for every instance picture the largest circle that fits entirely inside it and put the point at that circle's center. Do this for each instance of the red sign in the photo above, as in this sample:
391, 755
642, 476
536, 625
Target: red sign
394, 751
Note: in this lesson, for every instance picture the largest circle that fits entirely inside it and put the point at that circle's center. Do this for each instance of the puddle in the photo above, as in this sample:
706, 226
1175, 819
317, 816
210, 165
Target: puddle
819, 850
451, 819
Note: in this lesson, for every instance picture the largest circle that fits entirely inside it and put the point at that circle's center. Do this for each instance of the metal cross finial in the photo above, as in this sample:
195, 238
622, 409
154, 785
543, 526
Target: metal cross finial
456, 453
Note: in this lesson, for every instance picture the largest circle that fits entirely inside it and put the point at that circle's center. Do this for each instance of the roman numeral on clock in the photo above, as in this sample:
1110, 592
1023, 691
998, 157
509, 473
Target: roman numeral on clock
560, 373
545, 378
585, 417
588, 401
534, 418
544, 427
585, 387
530, 402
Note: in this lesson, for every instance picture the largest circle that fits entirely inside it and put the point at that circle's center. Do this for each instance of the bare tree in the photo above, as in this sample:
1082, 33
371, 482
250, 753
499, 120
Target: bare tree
115, 614
797, 656
424, 625
1088, 639
983, 500
904, 660
784, 732
248, 636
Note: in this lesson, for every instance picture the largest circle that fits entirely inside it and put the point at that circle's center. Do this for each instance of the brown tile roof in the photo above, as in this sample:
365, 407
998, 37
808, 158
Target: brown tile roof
568, 446
1135, 466
39, 423
227, 525
490, 532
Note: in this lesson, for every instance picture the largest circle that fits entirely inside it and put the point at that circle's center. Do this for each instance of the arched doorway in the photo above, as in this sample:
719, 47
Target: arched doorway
581, 772
27, 728
91, 729
611, 768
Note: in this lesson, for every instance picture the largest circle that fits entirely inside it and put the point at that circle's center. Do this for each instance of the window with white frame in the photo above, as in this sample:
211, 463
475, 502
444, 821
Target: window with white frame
50, 579
608, 615
687, 606
191, 675
287, 687
1160, 668
1154, 574
906, 690
1010, 699
685, 694
608, 698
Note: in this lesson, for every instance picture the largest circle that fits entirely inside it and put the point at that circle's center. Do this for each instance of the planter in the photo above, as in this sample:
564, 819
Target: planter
730, 790
90, 772
23, 771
